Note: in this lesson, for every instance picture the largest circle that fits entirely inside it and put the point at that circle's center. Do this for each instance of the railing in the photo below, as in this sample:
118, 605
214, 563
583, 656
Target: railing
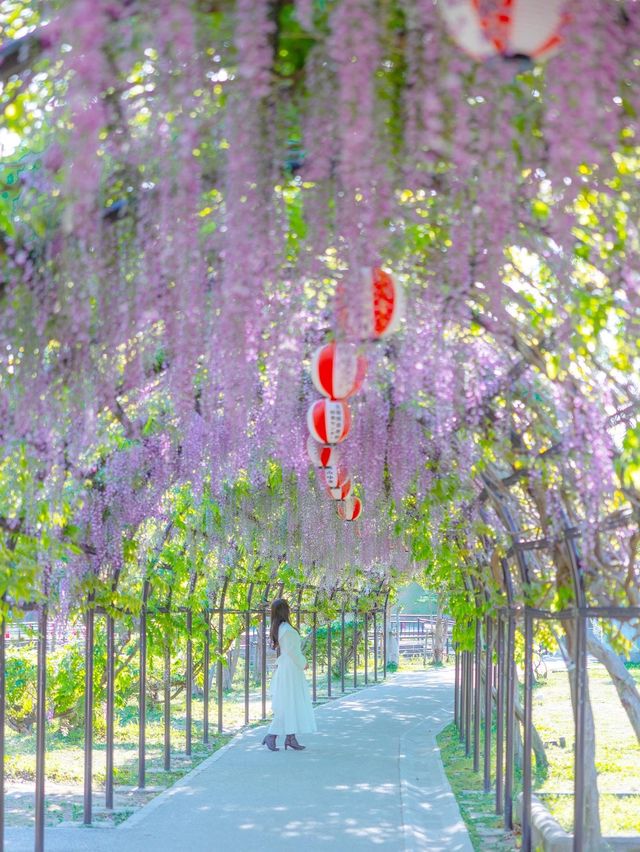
417, 632
372, 624
475, 703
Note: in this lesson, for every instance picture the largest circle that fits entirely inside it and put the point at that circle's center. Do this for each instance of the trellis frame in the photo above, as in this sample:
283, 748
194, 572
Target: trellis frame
252, 612
473, 700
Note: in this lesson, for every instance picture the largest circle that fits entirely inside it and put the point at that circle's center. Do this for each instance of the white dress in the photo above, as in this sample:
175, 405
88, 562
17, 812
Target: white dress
290, 697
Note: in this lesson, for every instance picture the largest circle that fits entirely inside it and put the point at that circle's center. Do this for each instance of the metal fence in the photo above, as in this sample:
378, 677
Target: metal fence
478, 705
416, 633
371, 624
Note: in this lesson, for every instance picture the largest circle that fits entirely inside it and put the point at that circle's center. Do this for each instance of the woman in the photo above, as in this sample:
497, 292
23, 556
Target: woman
290, 699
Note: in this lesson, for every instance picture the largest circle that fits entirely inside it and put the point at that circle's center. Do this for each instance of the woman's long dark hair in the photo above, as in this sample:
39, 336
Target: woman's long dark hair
279, 612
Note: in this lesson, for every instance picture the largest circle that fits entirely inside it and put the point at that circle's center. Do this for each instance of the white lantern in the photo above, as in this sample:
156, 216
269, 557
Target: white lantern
350, 509
335, 476
508, 28
329, 421
321, 455
341, 492
384, 300
337, 370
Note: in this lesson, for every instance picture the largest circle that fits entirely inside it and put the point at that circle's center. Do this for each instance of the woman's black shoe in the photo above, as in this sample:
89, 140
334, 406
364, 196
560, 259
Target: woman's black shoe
270, 742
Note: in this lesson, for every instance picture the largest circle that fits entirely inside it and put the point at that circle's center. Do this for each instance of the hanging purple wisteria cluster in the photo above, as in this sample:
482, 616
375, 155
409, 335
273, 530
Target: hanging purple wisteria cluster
217, 195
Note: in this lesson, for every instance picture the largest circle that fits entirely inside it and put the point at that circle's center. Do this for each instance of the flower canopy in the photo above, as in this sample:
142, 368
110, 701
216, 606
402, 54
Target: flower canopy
191, 192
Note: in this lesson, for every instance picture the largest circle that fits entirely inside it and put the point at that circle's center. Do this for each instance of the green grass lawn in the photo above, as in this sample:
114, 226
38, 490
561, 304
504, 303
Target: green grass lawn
477, 807
617, 752
617, 760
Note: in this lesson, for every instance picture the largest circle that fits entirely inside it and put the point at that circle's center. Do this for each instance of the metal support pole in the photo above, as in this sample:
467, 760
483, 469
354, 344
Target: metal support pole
456, 690
384, 640
329, 659
3, 695
110, 710
206, 665
314, 657
355, 648
41, 715
500, 717
219, 667
510, 681
462, 689
477, 691
366, 648
375, 646
247, 656
461, 704
142, 698
488, 702
88, 713
189, 684
342, 651
580, 718
469, 702
298, 608
463, 694
263, 675
526, 757
167, 706
579, 690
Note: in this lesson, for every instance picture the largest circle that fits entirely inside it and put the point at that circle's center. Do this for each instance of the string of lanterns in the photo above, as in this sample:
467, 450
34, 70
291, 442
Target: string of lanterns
338, 370
512, 29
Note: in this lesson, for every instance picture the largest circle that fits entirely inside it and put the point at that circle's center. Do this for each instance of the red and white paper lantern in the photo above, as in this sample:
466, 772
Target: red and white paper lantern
335, 476
350, 509
341, 492
329, 421
509, 28
337, 370
321, 455
384, 302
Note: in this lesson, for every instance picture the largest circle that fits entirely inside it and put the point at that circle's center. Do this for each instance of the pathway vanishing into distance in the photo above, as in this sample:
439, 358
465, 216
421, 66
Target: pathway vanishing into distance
371, 778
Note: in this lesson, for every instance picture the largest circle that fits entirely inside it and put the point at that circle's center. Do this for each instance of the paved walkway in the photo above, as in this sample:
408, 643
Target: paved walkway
371, 778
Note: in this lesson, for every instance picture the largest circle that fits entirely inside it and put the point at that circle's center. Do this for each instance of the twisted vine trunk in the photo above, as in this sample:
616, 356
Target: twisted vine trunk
393, 646
503, 504
539, 751
592, 831
228, 672
622, 680
439, 638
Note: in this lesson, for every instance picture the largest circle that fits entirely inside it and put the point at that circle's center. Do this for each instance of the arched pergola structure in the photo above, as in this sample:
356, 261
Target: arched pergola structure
196, 197
312, 607
486, 681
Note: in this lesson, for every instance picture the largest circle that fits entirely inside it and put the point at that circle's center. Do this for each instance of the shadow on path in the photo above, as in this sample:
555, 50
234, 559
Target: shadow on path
371, 778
